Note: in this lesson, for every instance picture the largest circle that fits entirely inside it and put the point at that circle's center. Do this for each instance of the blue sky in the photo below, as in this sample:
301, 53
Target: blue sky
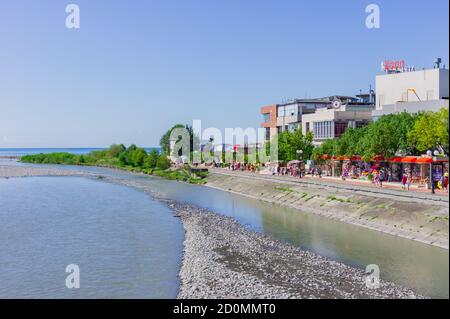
136, 67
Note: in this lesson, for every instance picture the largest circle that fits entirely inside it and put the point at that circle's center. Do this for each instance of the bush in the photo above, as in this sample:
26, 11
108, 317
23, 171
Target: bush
163, 162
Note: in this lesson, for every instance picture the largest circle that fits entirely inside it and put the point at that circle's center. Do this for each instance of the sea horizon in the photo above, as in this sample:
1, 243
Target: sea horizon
21, 151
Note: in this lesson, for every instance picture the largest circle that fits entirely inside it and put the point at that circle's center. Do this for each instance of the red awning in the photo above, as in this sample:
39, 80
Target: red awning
409, 159
425, 160
395, 159
378, 158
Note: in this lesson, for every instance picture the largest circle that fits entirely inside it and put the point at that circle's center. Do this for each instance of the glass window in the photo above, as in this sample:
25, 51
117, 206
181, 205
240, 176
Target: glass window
266, 117
267, 133
287, 110
339, 129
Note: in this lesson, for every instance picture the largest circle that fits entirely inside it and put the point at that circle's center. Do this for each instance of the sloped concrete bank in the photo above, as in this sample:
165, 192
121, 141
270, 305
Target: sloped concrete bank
420, 220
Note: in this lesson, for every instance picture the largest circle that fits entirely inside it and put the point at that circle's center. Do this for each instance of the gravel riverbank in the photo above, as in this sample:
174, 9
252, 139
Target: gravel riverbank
222, 259
7, 171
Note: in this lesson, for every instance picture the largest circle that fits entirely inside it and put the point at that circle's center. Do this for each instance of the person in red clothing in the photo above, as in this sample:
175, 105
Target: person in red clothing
445, 182
404, 180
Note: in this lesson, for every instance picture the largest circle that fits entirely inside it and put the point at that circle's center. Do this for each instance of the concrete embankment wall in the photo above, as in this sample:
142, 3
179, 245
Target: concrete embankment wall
422, 221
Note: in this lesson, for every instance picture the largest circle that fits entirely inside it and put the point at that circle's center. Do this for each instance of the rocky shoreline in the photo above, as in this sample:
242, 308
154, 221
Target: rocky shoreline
222, 259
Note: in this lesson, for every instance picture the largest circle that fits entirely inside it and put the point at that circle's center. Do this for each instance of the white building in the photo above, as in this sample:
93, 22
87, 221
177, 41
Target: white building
329, 123
412, 91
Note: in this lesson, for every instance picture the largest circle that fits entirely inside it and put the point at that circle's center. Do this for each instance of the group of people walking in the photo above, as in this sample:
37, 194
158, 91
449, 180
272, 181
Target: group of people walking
379, 175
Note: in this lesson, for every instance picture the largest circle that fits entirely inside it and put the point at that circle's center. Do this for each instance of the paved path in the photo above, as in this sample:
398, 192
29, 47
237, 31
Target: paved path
363, 187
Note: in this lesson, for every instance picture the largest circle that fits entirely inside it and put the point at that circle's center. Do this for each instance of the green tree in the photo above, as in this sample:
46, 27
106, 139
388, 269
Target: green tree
194, 140
164, 142
388, 136
132, 148
431, 130
116, 149
290, 142
137, 157
152, 159
163, 162
123, 158
328, 147
350, 142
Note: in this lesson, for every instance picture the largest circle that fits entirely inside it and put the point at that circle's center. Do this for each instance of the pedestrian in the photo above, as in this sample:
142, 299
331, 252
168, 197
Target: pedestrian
376, 178
404, 180
381, 178
319, 172
445, 182
409, 181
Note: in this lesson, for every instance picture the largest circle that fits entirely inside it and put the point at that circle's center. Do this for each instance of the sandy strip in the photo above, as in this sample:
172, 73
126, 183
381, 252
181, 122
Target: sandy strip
7, 171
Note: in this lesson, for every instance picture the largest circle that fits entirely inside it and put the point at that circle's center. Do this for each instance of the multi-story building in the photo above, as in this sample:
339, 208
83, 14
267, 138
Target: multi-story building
412, 91
269, 114
327, 117
329, 123
400, 89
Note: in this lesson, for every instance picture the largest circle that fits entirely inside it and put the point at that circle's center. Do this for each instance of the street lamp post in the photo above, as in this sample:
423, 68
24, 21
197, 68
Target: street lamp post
300, 157
433, 159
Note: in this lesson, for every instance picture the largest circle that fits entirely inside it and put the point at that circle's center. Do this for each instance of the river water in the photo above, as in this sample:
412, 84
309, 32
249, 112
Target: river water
125, 244
153, 230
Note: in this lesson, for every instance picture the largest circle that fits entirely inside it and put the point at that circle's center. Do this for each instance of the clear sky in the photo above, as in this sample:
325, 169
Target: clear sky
136, 67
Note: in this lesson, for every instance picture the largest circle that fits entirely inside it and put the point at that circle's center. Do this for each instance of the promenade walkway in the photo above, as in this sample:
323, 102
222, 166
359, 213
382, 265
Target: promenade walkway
394, 189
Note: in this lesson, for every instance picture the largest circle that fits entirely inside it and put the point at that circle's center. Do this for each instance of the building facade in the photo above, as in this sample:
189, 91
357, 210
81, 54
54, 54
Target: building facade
326, 117
411, 91
269, 123
330, 123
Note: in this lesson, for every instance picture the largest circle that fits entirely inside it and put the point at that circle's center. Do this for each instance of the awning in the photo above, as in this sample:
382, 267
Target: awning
409, 159
378, 158
425, 160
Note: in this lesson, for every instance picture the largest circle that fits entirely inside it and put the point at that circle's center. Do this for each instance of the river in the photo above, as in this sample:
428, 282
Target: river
418, 266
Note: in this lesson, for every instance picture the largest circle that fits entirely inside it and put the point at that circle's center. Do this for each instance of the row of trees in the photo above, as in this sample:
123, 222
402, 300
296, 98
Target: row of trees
132, 156
404, 133
117, 155
291, 142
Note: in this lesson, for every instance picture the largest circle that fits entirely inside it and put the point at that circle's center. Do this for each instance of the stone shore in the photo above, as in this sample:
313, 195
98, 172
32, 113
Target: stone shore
222, 259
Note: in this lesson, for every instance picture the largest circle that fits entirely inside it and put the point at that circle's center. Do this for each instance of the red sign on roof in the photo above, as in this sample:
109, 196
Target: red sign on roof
393, 65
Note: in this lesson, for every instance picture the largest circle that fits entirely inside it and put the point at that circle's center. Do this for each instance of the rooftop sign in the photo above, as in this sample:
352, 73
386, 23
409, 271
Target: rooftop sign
393, 66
